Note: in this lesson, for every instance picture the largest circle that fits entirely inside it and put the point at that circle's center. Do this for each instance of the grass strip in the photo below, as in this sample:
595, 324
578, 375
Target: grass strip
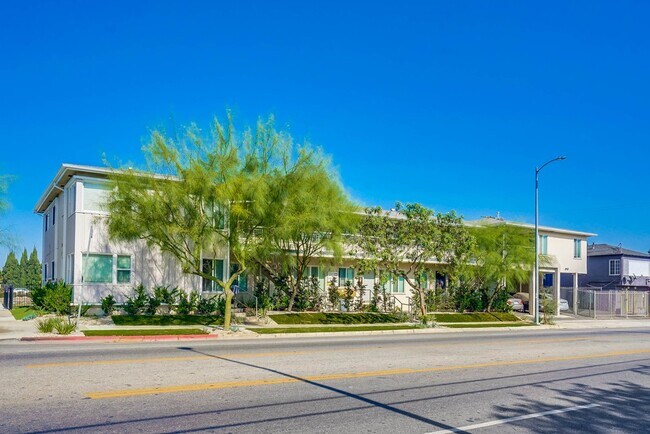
480, 326
274, 330
336, 318
166, 320
473, 317
144, 332
21, 312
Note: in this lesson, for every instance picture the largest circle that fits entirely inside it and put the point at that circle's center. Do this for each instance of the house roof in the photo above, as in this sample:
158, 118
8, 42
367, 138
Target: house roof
67, 171
493, 220
609, 250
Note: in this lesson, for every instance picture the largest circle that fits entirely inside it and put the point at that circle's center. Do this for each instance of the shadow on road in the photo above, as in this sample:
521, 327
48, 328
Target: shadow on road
624, 406
527, 405
338, 391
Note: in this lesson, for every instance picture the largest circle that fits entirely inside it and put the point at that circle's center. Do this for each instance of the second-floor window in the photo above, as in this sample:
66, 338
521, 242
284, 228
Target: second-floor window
53, 215
346, 274
543, 241
614, 267
577, 249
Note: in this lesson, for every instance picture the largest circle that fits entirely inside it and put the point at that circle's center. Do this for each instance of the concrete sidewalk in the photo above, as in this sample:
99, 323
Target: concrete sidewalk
10, 328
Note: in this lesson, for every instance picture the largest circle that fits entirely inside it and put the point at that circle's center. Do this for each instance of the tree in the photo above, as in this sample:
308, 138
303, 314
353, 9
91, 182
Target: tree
200, 197
11, 270
33, 273
409, 243
503, 258
310, 215
23, 269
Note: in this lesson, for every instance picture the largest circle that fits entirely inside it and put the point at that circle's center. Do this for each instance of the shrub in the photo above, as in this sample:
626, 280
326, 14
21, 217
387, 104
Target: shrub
165, 295
57, 298
38, 297
136, 304
108, 304
262, 294
360, 289
64, 326
152, 305
187, 304
45, 325
333, 293
549, 305
348, 294
206, 305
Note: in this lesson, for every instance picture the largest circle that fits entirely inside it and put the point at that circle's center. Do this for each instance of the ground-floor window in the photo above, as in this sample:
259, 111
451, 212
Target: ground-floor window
213, 267
346, 274
242, 279
105, 268
97, 268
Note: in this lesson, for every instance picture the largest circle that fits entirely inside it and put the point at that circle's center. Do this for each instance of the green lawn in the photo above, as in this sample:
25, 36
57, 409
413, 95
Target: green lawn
474, 317
273, 330
166, 320
335, 318
480, 325
21, 312
144, 332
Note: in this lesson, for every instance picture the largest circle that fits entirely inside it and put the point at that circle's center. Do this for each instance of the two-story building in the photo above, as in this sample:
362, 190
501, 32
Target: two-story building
77, 250
617, 268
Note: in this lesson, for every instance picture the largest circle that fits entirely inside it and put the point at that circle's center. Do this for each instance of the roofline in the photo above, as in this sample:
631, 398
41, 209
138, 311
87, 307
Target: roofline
42, 203
531, 226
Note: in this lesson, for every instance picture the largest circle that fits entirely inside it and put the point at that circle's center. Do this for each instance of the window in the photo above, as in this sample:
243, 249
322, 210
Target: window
52, 270
47, 220
393, 283
69, 273
95, 196
398, 284
71, 199
213, 267
577, 249
123, 269
242, 279
53, 215
346, 274
614, 267
543, 244
45, 272
97, 268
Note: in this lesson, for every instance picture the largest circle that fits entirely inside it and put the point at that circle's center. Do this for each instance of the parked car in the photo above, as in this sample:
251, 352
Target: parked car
564, 304
523, 296
516, 304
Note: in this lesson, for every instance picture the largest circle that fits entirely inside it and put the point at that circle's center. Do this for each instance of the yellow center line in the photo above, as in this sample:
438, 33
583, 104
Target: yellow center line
271, 354
159, 359
344, 375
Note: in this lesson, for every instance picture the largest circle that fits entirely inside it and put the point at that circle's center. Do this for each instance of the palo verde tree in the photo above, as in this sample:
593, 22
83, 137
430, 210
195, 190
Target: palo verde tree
407, 243
310, 213
200, 196
503, 257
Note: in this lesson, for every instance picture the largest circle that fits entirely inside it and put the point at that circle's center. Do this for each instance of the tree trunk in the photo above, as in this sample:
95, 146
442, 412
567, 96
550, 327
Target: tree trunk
423, 306
228, 310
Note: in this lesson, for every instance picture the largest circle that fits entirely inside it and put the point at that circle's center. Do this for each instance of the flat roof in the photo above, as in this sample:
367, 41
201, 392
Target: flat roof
67, 171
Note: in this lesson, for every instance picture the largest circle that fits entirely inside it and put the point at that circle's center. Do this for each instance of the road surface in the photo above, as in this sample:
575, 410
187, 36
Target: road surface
489, 382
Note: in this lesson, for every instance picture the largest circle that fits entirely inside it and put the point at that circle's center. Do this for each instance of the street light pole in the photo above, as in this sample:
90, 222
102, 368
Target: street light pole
536, 271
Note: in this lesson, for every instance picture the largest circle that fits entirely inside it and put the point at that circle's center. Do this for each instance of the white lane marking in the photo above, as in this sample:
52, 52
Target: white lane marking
514, 419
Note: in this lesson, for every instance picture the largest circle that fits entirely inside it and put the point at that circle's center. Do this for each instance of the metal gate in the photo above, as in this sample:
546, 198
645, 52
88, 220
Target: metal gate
613, 304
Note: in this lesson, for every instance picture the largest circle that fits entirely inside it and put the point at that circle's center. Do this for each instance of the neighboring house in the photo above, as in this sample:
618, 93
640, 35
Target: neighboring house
614, 267
76, 249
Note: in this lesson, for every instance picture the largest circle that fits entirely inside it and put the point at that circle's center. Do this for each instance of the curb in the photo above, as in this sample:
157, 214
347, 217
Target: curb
153, 338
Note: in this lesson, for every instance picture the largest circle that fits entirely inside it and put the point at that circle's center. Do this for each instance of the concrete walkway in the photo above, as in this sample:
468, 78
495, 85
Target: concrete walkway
10, 328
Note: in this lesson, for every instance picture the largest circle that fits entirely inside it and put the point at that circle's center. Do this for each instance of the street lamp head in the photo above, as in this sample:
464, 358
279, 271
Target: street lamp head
562, 157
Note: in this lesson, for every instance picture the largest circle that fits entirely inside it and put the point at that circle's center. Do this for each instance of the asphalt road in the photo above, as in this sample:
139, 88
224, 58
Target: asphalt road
519, 381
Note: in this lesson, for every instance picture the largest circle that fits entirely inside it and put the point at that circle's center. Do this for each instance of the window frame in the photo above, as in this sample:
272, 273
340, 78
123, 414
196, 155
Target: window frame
213, 286
118, 269
543, 244
618, 266
577, 248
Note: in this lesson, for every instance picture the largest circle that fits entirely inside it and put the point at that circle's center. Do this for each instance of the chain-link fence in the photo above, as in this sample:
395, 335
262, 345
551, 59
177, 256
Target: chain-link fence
596, 303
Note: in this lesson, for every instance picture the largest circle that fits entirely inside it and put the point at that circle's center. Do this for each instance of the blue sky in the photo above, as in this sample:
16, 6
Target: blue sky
450, 104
